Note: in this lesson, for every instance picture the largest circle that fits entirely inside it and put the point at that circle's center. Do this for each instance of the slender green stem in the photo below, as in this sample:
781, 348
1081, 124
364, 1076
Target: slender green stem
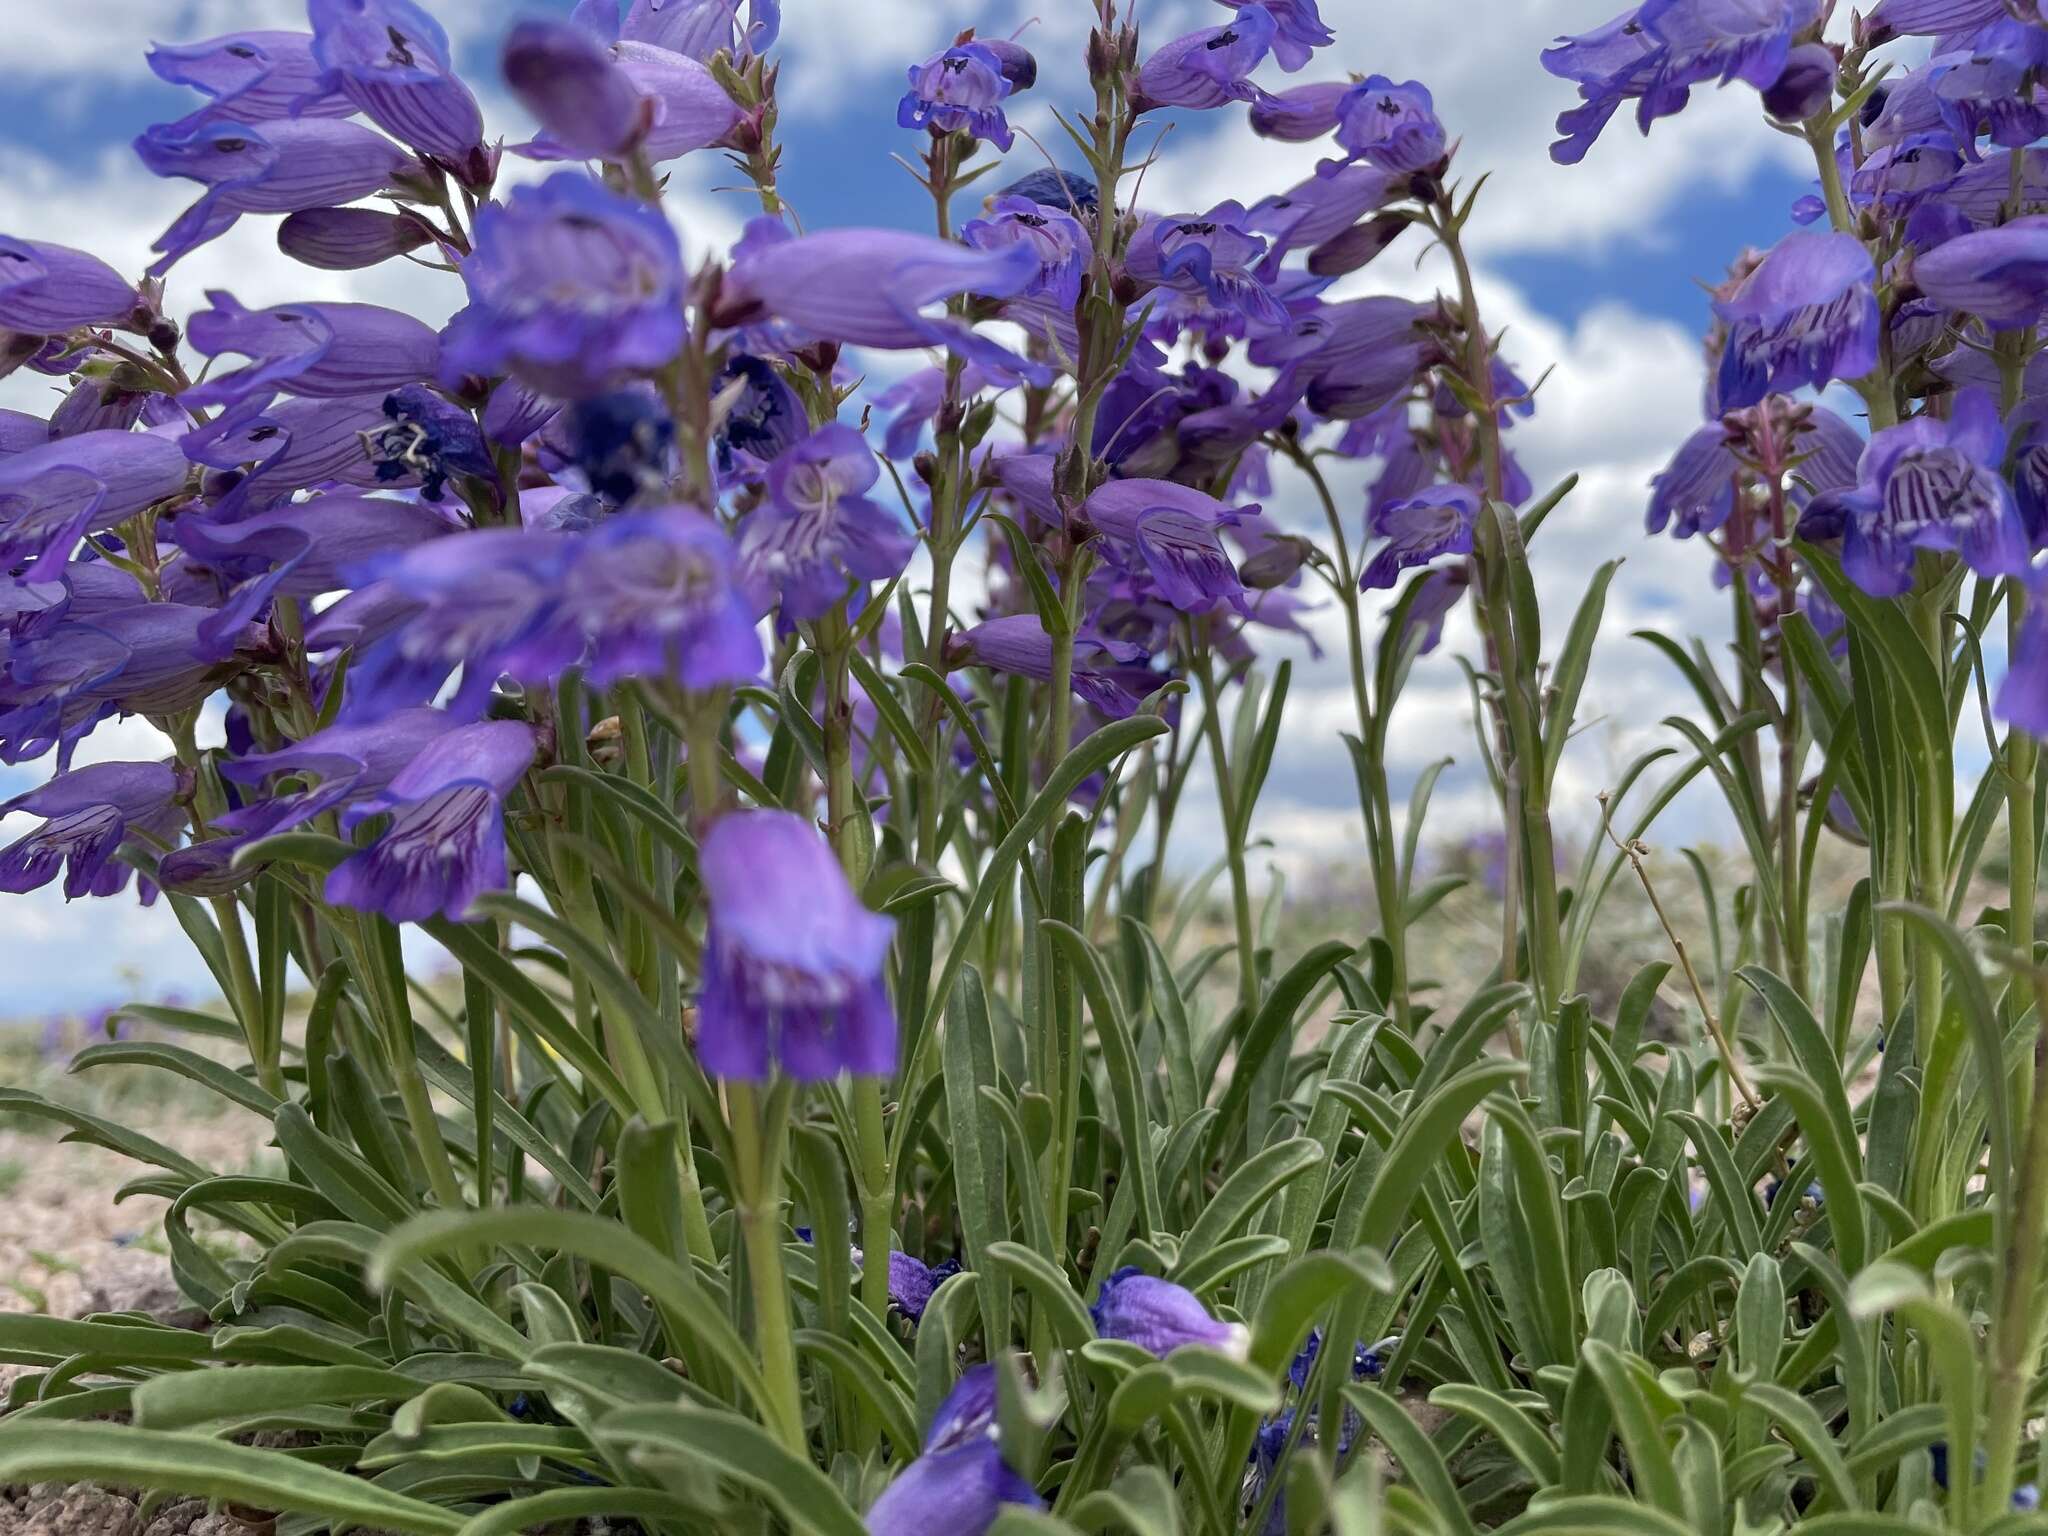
758, 1141
1376, 804
2015, 1343
1233, 847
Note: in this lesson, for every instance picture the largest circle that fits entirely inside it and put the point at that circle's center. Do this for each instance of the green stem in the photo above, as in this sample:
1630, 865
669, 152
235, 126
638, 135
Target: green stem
2015, 1344
1376, 804
758, 1141
1233, 848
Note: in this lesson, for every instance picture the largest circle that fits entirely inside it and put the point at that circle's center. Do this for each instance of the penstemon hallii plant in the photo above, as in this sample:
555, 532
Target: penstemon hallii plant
839, 1122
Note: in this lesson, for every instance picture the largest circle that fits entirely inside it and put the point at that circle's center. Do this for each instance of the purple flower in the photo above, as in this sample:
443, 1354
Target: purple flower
54, 494
956, 1492
1929, 18
1350, 360
391, 59
1298, 29
445, 843
817, 528
1932, 484
1051, 188
1017, 644
1435, 521
1394, 127
968, 1412
428, 439
1437, 592
1722, 40
871, 288
1173, 529
1695, 492
48, 288
1805, 86
1208, 68
568, 80
694, 28
250, 77
658, 594
87, 814
756, 415
1159, 1316
689, 108
279, 449
1058, 239
960, 90
1210, 253
1807, 314
1300, 113
792, 960
1611, 64
2000, 275
281, 166
312, 350
911, 1284
340, 763
348, 239
916, 398
570, 286
1321, 211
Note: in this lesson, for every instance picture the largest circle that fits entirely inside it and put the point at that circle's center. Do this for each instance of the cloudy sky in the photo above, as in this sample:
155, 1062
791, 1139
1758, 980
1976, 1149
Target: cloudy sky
1594, 270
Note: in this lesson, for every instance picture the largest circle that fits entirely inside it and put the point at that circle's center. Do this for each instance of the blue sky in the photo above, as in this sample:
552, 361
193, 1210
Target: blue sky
1595, 270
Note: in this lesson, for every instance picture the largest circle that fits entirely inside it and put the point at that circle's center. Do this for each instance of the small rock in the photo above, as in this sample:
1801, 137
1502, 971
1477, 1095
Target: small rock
78, 1510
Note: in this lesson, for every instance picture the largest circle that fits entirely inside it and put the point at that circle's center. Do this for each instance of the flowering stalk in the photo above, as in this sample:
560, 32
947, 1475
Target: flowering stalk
1501, 569
1375, 800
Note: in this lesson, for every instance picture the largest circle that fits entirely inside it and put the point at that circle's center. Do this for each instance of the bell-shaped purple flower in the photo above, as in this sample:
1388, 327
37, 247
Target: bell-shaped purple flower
445, 843
54, 494
1437, 592
1807, 314
1805, 86
1160, 1317
1394, 127
1435, 521
1724, 40
1695, 492
1209, 68
682, 106
967, 1412
1213, 254
1058, 238
956, 1492
335, 765
1298, 29
1929, 18
1611, 64
87, 814
959, 90
1301, 113
2022, 698
818, 529
1931, 484
281, 166
571, 286
873, 288
320, 351
792, 960
392, 60
250, 77
755, 415
1349, 360
1323, 209
697, 29
569, 81
47, 289
2000, 274
1018, 645
1174, 530
349, 239
658, 594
